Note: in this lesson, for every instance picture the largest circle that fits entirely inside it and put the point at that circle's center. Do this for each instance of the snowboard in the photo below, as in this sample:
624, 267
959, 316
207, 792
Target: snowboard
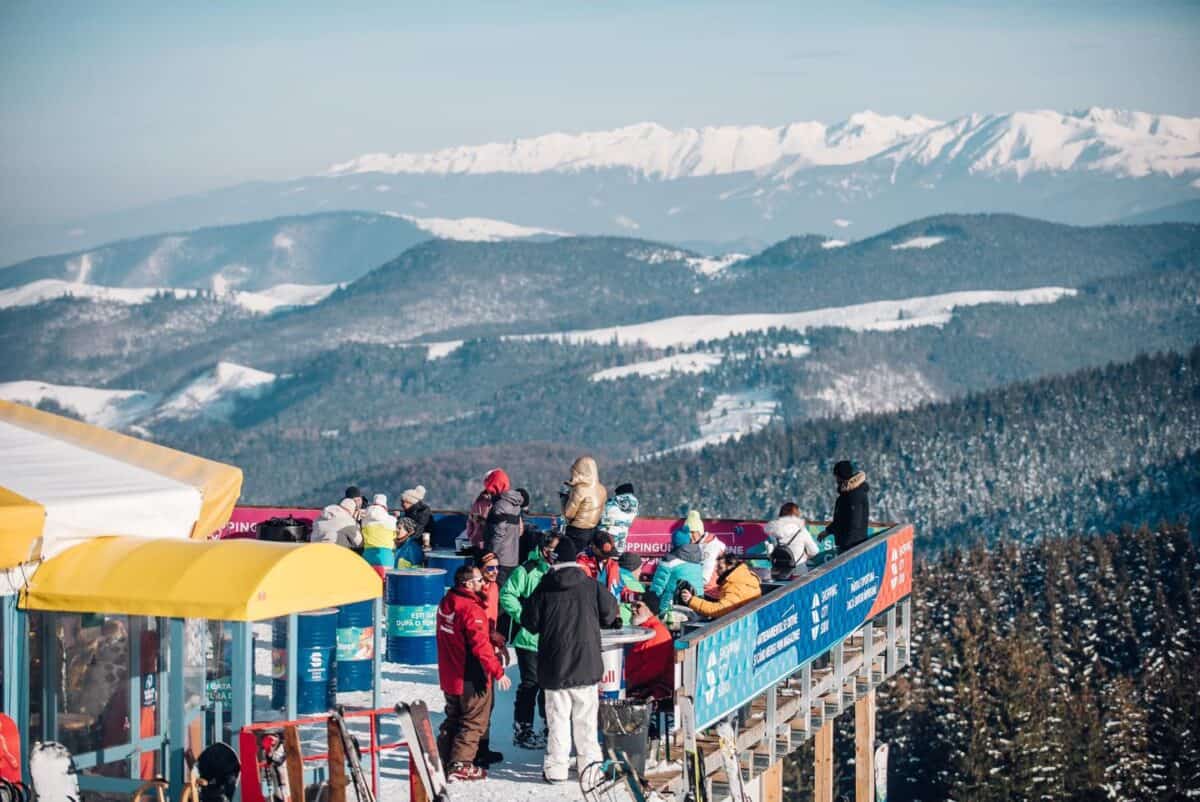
881, 769
10, 750
693, 761
422, 748
727, 739
362, 788
52, 769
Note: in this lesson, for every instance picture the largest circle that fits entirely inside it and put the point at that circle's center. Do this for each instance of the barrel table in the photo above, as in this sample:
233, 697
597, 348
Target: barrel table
448, 560
356, 646
412, 596
613, 646
316, 656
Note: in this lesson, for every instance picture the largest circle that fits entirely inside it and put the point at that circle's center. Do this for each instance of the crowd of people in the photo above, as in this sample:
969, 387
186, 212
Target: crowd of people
547, 596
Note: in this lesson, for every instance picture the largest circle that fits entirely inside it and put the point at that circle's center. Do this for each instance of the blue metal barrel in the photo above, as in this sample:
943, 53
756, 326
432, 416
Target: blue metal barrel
412, 596
316, 661
356, 646
449, 561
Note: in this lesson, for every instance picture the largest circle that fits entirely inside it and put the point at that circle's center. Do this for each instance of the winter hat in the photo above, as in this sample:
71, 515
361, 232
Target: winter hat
844, 470
413, 494
680, 537
408, 525
695, 524
651, 600
624, 488
496, 482
524, 494
380, 500
630, 561
565, 551
603, 544
353, 492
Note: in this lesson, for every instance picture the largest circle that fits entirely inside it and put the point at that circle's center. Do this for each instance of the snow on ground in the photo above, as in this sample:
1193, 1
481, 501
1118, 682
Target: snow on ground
834, 243
46, 289
214, 393
731, 417
442, 349
111, 409
842, 223
696, 362
879, 388
790, 351
918, 242
266, 300
518, 777
282, 295
711, 267
688, 330
476, 229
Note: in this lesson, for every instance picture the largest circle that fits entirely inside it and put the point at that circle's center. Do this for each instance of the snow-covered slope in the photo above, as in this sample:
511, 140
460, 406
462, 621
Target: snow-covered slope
214, 393
655, 151
113, 409
266, 300
700, 362
731, 417
476, 229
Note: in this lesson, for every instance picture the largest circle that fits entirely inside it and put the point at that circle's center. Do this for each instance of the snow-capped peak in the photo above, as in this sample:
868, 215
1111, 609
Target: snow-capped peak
214, 392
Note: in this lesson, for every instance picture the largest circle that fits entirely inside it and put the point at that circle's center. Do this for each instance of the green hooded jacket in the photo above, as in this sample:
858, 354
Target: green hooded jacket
521, 584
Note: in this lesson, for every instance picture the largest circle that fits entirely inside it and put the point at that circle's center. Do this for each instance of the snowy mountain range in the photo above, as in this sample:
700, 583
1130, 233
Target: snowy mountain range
1124, 144
718, 184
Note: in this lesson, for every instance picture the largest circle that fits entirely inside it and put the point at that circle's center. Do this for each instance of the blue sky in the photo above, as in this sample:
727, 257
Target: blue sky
106, 106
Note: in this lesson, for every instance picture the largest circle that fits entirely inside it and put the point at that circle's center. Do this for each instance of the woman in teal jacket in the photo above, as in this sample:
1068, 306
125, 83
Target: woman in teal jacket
685, 563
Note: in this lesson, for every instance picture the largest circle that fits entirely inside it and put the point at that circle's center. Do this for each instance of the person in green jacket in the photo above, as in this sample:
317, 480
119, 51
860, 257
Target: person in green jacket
519, 586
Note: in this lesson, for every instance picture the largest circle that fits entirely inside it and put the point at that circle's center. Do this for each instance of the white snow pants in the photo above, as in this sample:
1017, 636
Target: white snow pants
572, 711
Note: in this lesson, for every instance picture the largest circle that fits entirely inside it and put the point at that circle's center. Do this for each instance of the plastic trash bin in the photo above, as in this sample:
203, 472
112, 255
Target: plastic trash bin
625, 724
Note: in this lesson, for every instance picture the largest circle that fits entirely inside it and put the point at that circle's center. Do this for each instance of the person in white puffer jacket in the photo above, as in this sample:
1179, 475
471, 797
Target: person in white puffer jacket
791, 531
337, 525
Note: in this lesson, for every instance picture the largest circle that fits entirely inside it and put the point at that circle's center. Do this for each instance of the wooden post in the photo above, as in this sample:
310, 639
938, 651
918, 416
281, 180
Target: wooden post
770, 787
337, 762
823, 763
295, 762
864, 748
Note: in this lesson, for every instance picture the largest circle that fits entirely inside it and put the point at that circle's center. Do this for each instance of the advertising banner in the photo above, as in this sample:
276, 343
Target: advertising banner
741, 659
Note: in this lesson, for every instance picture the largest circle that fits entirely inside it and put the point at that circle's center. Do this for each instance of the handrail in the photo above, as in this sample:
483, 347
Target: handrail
252, 766
791, 584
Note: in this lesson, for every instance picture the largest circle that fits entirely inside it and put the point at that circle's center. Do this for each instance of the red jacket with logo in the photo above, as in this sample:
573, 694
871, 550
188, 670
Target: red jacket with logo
463, 642
607, 572
650, 665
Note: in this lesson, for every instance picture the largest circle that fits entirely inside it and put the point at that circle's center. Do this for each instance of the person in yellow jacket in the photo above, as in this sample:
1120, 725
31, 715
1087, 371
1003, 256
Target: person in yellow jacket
736, 585
379, 535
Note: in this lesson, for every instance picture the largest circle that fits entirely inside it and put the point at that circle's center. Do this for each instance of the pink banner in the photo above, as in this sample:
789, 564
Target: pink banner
244, 519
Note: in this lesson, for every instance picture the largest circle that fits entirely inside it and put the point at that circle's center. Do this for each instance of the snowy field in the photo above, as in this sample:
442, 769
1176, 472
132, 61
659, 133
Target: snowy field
731, 417
475, 229
688, 330
518, 777
698, 362
268, 300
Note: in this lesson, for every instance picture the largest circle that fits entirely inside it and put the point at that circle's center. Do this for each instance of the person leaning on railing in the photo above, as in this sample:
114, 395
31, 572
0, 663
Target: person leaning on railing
852, 509
736, 585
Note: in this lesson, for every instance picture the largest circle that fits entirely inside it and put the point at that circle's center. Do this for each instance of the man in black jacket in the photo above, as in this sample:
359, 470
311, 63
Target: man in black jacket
567, 611
853, 508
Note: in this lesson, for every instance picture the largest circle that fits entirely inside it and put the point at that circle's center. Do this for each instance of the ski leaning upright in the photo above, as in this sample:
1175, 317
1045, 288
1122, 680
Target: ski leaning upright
362, 788
693, 761
422, 749
727, 738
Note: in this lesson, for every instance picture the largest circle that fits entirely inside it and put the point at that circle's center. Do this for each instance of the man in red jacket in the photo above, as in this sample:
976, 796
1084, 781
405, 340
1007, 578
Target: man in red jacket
650, 665
467, 664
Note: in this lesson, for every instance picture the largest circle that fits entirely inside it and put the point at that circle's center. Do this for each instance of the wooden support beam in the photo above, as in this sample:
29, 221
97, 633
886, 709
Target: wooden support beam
770, 788
823, 764
864, 748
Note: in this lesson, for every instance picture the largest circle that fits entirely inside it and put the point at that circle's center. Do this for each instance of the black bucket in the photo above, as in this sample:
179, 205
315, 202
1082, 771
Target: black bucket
625, 724
285, 530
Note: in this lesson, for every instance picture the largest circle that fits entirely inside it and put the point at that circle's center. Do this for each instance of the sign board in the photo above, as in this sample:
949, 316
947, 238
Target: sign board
740, 659
219, 690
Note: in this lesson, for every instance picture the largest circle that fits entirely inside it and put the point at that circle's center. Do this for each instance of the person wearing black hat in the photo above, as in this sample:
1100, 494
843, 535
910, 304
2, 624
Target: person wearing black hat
566, 612
852, 509
359, 498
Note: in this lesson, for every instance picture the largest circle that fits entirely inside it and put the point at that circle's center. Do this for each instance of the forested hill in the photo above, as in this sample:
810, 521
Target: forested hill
1083, 452
1065, 670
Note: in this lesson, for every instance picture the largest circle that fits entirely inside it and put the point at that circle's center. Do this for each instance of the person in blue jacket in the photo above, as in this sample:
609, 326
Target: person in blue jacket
685, 563
409, 553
